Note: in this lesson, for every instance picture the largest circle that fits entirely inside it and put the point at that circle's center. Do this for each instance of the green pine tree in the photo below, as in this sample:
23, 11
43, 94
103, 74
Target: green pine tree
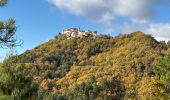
7, 30
163, 70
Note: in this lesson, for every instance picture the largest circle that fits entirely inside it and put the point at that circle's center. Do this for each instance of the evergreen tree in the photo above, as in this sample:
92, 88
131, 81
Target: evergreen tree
3, 3
15, 85
7, 30
163, 71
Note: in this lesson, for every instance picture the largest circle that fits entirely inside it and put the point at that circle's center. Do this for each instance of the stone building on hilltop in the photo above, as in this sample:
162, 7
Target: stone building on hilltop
76, 32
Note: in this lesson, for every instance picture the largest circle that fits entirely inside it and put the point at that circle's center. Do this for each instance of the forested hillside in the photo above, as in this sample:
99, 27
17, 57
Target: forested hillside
132, 66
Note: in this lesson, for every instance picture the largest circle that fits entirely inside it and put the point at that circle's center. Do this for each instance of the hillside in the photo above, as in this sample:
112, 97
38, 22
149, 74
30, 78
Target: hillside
104, 67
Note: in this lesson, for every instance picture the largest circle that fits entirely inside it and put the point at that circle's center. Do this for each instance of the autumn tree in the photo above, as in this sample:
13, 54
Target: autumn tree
108, 90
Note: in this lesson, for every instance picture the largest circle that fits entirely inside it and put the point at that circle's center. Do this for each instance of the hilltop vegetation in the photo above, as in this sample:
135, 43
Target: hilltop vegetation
80, 65
130, 66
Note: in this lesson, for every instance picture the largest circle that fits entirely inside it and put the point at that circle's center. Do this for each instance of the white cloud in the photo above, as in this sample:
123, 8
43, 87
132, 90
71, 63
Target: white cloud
160, 31
134, 9
139, 12
107, 10
93, 9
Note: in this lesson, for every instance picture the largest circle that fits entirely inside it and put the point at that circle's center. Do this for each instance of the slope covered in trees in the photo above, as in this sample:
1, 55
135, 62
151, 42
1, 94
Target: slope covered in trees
129, 66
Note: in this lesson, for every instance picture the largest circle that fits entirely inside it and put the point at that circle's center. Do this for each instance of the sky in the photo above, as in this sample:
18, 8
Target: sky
38, 21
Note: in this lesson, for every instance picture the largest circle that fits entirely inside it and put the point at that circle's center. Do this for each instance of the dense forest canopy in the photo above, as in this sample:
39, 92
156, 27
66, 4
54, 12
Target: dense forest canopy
126, 67
130, 66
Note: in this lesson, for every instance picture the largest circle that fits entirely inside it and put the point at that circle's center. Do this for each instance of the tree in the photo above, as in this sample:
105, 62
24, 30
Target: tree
7, 30
108, 90
86, 91
163, 71
15, 85
3, 3
168, 43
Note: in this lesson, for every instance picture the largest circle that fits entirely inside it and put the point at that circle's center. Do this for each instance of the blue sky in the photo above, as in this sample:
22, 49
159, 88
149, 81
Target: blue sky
40, 20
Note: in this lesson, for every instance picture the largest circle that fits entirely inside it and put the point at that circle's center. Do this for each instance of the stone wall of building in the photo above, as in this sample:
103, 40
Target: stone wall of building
76, 32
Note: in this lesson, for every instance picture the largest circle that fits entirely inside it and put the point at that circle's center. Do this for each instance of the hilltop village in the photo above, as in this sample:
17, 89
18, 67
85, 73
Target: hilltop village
76, 32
